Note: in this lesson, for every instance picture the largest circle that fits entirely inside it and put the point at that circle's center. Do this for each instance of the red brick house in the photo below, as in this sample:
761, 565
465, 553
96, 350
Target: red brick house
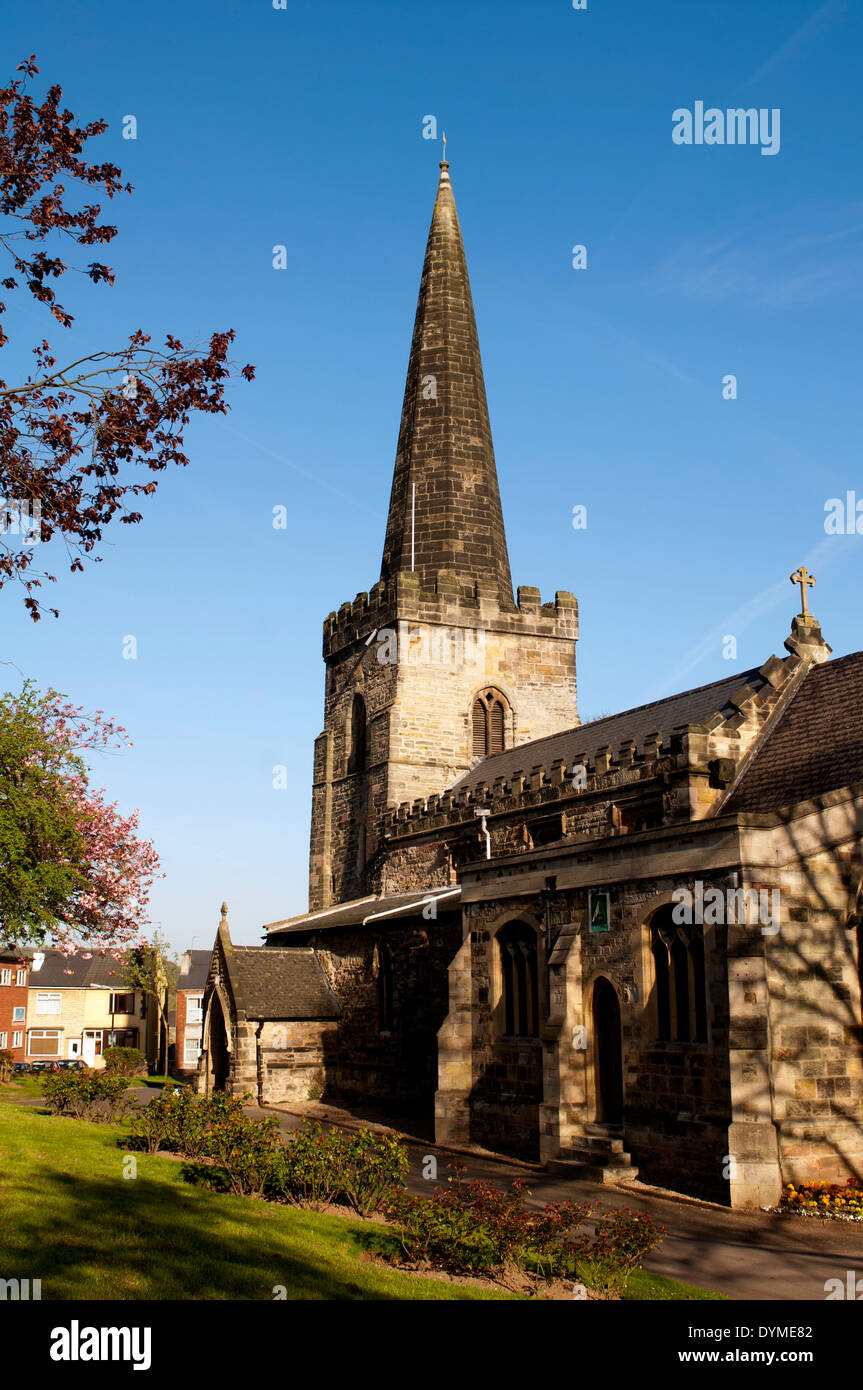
191, 983
14, 972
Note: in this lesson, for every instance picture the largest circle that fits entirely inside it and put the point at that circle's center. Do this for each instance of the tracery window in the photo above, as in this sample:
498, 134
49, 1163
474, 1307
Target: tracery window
679, 979
488, 724
517, 946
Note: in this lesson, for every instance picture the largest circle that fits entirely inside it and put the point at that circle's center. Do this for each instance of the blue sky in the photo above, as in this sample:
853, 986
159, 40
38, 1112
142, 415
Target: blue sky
303, 127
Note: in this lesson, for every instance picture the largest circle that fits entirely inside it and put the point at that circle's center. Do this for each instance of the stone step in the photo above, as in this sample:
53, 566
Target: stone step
592, 1172
601, 1157
598, 1143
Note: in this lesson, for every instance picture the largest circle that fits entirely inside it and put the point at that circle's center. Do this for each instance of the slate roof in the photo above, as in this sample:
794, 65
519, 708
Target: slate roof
77, 972
282, 983
817, 745
689, 707
354, 913
445, 454
22, 955
199, 969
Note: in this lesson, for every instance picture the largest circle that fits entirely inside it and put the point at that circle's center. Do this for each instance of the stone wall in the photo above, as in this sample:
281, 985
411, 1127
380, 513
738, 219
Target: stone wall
506, 1075
813, 983
677, 1101
296, 1059
676, 1096
431, 652
395, 1065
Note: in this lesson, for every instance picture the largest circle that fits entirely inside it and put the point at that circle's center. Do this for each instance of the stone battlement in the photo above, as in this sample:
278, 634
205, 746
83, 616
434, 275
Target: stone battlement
714, 749
403, 598
561, 778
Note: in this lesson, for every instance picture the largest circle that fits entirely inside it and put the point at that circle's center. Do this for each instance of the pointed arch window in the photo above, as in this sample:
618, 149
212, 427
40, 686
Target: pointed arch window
520, 980
357, 755
488, 724
680, 979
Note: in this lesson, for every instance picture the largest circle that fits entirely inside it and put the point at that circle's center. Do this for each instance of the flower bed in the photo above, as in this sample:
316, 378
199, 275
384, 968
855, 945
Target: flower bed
829, 1201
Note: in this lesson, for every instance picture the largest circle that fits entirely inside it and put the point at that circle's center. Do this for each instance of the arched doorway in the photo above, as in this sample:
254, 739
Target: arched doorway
608, 1056
218, 1047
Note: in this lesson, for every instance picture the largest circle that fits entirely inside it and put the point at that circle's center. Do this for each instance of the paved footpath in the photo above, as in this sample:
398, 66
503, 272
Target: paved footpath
745, 1255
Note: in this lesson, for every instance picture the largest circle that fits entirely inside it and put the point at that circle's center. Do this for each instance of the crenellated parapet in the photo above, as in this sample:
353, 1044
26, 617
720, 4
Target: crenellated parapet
695, 765
531, 786
403, 598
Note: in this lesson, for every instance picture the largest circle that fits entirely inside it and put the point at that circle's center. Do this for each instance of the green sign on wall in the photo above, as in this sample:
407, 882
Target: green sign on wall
599, 912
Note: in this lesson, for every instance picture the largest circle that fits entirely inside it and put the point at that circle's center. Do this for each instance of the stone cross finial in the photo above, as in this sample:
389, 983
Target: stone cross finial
802, 577
224, 911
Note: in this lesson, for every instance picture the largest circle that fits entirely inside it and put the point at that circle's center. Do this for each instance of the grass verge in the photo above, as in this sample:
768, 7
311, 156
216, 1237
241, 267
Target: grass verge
70, 1216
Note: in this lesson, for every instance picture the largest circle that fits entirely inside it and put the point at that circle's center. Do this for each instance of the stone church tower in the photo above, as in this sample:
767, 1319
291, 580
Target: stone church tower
437, 666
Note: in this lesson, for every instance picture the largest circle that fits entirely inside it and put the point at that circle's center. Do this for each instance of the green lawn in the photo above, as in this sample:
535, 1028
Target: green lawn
69, 1217
645, 1286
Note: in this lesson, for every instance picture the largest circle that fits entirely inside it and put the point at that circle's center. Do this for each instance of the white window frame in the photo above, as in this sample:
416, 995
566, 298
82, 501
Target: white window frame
198, 1001
51, 999
45, 1033
190, 1043
3, 1042
21, 977
5, 976
19, 1014
18, 1039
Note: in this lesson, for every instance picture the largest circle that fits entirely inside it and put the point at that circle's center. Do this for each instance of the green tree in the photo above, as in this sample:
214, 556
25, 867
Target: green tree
70, 865
148, 968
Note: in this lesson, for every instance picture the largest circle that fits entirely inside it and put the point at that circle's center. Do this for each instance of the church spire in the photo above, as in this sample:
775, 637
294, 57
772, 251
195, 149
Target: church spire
445, 513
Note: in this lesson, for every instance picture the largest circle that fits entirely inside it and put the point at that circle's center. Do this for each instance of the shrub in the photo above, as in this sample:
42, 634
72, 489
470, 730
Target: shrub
621, 1240
310, 1170
190, 1123
7, 1065
373, 1171
474, 1228
248, 1151
124, 1061
87, 1095
249, 1158
152, 1125
176, 1120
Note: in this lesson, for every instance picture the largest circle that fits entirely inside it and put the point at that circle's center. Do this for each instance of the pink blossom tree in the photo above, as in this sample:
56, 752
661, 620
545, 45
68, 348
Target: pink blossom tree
73, 868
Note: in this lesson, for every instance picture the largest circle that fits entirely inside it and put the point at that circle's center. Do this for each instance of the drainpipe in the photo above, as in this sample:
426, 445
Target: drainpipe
484, 814
547, 892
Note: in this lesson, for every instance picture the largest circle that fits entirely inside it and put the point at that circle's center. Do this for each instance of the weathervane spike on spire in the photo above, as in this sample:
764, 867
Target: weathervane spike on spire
444, 164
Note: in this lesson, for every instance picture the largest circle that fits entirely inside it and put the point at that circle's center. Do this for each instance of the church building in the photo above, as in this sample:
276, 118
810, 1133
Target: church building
629, 947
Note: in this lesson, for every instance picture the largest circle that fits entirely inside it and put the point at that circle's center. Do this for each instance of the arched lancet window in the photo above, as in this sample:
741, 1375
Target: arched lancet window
660, 975
517, 946
699, 984
680, 978
488, 724
680, 981
357, 755
385, 988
